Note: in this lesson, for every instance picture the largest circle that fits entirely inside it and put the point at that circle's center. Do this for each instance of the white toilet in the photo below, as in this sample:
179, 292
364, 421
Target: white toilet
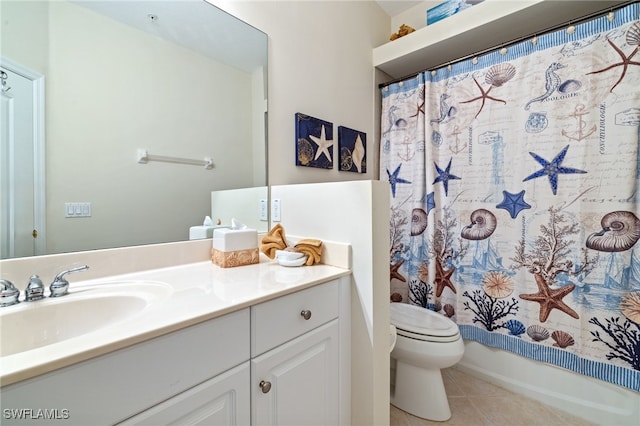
426, 342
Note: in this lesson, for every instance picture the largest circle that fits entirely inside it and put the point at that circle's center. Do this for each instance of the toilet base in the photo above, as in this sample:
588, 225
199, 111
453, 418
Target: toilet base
420, 392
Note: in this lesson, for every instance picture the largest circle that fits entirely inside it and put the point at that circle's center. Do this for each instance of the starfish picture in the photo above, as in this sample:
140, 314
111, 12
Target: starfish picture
550, 299
395, 273
323, 144
552, 169
443, 279
394, 179
626, 60
484, 96
445, 176
513, 203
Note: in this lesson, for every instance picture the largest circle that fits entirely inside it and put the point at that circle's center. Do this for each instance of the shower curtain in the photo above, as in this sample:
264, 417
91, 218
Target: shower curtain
514, 196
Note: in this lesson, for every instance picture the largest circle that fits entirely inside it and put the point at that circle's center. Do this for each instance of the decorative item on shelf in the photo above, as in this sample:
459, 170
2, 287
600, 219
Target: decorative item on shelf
448, 8
312, 248
274, 246
237, 246
353, 149
273, 241
403, 31
314, 142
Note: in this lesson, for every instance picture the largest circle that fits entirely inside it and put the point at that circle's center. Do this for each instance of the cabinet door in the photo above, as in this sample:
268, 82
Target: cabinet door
223, 400
297, 383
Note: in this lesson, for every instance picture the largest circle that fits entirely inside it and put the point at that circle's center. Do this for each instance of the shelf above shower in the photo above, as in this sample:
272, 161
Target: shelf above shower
485, 25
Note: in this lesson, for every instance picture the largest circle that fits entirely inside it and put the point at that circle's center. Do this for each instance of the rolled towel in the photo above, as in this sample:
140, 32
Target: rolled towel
274, 240
312, 248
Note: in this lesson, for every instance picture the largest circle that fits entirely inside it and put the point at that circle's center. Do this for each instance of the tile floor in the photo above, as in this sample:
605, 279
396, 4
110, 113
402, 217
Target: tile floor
476, 402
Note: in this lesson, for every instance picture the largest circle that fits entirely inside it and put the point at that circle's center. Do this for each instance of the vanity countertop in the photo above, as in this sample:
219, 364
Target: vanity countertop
191, 293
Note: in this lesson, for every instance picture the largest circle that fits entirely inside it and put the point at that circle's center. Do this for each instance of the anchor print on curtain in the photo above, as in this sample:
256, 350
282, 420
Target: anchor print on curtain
514, 196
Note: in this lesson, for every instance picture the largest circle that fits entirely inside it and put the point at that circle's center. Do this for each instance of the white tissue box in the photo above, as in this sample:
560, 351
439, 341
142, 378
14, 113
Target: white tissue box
235, 239
235, 247
200, 232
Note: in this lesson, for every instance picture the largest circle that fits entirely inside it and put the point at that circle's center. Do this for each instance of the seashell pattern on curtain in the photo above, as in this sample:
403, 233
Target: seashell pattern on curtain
514, 196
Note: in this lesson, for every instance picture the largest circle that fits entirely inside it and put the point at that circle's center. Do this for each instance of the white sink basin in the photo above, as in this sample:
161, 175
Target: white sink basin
31, 325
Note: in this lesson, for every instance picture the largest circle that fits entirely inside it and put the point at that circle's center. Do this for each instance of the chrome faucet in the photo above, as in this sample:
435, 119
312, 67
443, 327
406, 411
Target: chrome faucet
60, 285
8, 293
34, 290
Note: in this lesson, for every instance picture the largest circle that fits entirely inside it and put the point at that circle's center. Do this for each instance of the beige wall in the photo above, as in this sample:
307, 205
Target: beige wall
25, 32
319, 64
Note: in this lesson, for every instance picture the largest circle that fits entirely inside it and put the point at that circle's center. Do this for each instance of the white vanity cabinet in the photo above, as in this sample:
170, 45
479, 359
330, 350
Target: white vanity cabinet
277, 362
295, 362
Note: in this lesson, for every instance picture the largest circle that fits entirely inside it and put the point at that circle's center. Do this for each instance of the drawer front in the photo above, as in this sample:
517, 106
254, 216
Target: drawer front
280, 320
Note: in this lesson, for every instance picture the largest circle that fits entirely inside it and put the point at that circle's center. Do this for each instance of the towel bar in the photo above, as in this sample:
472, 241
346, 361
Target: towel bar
144, 157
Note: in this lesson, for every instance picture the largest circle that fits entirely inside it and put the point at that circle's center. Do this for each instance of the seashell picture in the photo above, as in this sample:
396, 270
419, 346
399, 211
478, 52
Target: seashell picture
353, 149
499, 74
418, 221
620, 231
515, 327
482, 225
314, 142
537, 332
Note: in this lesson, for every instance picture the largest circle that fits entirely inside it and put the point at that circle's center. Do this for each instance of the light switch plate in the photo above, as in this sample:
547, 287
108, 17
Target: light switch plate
276, 210
77, 209
263, 211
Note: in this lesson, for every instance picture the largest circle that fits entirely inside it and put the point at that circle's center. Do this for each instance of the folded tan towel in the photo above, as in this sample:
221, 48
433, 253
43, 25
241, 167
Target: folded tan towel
312, 248
274, 240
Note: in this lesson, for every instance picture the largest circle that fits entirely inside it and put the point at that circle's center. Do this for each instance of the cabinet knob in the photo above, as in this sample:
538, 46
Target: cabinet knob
306, 314
265, 386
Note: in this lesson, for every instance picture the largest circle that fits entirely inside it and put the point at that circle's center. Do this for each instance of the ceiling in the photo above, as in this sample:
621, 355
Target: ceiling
189, 23
394, 7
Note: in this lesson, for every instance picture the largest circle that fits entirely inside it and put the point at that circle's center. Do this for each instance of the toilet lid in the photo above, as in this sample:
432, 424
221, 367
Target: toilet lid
421, 321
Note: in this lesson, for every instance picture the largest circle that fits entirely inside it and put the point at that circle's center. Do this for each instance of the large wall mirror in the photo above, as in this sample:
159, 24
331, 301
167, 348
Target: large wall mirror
179, 79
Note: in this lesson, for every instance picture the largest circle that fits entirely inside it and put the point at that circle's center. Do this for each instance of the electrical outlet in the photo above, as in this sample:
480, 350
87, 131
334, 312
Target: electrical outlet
276, 210
263, 212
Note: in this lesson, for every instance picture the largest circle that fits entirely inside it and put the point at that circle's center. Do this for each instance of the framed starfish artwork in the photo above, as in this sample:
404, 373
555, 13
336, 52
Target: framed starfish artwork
353, 149
314, 142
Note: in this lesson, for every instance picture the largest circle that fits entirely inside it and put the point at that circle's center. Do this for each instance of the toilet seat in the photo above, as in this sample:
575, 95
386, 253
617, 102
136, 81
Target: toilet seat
422, 324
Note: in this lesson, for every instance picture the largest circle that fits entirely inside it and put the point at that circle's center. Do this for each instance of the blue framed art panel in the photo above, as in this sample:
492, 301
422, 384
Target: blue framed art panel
314, 142
353, 150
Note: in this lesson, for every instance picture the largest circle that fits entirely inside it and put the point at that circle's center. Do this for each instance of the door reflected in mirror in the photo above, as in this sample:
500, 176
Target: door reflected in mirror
174, 78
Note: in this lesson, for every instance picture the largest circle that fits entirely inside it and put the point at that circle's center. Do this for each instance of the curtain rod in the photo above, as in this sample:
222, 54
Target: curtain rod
576, 21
